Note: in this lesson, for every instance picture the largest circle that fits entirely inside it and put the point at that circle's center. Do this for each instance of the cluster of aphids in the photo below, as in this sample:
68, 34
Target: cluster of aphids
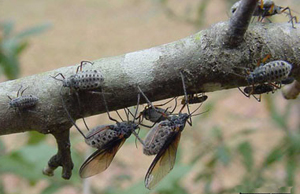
162, 139
266, 8
267, 77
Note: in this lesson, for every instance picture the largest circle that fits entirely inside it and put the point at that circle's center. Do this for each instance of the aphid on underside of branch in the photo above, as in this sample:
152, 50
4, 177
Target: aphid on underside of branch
163, 140
108, 139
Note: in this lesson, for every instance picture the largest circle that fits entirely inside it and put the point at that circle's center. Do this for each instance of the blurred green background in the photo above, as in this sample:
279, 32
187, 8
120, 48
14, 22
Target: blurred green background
240, 145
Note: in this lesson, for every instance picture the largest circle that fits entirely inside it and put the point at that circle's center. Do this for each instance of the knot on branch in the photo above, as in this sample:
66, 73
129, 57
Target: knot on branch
63, 157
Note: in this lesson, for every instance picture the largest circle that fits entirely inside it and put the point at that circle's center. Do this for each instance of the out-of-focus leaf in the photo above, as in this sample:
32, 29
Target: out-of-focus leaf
33, 31
52, 188
291, 169
223, 154
173, 177
27, 162
23, 45
35, 138
203, 176
217, 132
246, 151
275, 115
10, 65
7, 27
275, 155
2, 147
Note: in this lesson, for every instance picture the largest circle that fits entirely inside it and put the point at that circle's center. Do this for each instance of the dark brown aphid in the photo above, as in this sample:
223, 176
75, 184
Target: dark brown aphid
195, 98
22, 102
156, 114
82, 80
266, 8
107, 139
163, 140
258, 90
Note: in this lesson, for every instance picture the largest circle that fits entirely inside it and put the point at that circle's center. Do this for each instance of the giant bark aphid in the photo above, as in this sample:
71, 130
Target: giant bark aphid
266, 8
258, 90
156, 114
272, 73
22, 102
195, 98
108, 139
82, 80
163, 140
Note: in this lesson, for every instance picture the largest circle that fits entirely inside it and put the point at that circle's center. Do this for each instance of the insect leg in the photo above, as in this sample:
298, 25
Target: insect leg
150, 103
58, 75
247, 95
68, 114
185, 97
106, 107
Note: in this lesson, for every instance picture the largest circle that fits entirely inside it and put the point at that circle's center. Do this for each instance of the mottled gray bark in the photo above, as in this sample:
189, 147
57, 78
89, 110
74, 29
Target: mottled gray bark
205, 59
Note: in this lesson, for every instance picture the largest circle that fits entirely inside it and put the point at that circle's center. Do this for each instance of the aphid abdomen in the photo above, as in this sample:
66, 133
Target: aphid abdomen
157, 137
101, 135
23, 102
155, 116
277, 70
274, 71
87, 80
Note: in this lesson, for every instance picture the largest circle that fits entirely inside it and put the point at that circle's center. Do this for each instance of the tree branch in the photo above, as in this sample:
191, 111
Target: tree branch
207, 63
239, 22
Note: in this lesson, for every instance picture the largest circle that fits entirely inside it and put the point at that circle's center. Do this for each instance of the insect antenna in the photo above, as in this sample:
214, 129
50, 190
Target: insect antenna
82, 63
23, 91
19, 91
69, 116
185, 97
54, 77
106, 107
149, 102
120, 115
134, 116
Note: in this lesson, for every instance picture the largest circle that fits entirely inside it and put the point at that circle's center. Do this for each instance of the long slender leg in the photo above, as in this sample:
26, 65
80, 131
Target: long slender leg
185, 97
69, 116
80, 110
106, 107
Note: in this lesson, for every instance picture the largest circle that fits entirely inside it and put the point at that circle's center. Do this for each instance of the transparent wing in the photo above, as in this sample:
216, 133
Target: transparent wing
164, 162
100, 159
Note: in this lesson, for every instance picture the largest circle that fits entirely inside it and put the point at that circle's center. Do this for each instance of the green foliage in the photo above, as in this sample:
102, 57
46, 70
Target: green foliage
12, 45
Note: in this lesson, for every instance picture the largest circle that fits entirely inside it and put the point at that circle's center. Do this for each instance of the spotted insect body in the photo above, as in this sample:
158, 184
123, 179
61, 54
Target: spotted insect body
84, 80
259, 89
23, 102
100, 136
155, 115
156, 138
274, 71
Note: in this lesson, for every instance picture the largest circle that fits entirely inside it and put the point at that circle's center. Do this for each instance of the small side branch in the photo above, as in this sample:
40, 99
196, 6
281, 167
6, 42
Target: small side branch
239, 22
63, 156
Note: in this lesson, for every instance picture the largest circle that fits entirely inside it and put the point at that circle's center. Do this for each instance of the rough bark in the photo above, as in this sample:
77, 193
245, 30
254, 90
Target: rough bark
206, 59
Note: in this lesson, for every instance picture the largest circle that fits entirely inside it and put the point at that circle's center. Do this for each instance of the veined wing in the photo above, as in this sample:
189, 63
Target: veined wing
164, 161
100, 159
